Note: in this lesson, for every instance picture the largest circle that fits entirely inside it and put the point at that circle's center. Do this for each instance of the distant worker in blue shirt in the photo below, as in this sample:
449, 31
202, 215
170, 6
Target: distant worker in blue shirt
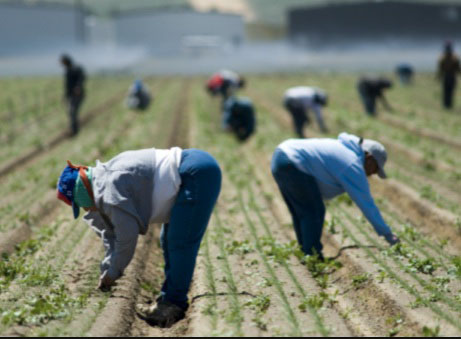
307, 171
405, 73
138, 96
239, 117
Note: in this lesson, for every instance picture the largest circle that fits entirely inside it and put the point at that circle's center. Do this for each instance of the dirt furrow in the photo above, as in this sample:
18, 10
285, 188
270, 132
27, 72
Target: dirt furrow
420, 212
425, 133
26, 158
369, 308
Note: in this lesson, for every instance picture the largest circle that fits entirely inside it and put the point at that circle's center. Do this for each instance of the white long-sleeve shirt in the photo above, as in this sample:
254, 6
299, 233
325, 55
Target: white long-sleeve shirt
304, 96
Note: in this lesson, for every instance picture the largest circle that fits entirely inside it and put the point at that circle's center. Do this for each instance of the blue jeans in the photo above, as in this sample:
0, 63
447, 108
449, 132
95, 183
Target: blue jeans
181, 237
304, 200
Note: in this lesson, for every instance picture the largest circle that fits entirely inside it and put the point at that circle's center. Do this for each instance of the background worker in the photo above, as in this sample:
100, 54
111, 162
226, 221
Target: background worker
371, 89
138, 96
225, 83
405, 73
299, 100
74, 80
239, 117
176, 187
307, 171
448, 70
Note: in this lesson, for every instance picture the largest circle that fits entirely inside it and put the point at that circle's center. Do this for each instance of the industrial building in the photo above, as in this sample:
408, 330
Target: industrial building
365, 22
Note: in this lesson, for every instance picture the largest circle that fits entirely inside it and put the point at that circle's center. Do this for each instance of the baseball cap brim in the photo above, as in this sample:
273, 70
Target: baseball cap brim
76, 210
381, 173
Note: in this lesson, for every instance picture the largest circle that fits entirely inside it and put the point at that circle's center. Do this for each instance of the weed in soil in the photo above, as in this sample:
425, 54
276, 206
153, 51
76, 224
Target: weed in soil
431, 332
359, 280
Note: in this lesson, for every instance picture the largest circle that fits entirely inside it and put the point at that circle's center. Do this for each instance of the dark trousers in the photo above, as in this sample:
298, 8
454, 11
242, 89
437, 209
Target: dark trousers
449, 85
299, 115
304, 200
181, 237
368, 100
74, 103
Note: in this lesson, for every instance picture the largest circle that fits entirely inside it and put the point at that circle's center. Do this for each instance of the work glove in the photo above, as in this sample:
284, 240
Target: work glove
105, 282
391, 238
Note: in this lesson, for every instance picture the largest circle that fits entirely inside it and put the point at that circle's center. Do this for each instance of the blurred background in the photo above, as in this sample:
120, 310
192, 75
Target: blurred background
200, 36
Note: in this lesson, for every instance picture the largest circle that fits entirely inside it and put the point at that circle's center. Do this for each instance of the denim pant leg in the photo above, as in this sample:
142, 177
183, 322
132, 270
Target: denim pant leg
304, 201
200, 187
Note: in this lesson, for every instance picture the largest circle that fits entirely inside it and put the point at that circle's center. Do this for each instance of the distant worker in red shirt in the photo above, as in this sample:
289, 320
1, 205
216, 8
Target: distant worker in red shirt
225, 83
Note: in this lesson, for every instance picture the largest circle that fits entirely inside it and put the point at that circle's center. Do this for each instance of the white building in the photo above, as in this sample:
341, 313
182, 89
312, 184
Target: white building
31, 27
173, 31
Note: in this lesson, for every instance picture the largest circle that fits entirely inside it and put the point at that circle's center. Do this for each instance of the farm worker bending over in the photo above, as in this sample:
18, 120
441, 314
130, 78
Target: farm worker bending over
405, 73
448, 69
138, 96
239, 117
74, 80
178, 188
310, 170
370, 89
225, 83
298, 100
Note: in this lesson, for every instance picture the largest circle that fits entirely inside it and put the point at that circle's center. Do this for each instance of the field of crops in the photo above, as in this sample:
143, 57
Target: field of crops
251, 279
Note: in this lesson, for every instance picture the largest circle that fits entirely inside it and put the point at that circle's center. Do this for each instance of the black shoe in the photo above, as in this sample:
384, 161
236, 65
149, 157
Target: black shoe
165, 314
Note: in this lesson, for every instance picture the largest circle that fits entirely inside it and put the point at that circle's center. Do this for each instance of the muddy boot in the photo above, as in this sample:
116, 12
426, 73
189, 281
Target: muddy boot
165, 314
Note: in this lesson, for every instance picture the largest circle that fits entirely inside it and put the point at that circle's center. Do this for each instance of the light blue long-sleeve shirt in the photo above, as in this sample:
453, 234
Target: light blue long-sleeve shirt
338, 167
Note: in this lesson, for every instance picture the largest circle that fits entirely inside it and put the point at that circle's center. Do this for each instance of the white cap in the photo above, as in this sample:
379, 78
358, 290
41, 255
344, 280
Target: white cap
378, 152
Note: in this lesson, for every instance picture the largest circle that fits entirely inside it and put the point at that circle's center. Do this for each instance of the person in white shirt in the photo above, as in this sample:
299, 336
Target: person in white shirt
299, 100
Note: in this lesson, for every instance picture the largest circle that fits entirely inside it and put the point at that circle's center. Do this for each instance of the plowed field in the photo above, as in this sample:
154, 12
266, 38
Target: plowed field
250, 279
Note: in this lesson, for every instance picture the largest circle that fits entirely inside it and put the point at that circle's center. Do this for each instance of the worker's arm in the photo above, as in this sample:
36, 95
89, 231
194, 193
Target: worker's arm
126, 231
355, 183
319, 116
119, 239
386, 104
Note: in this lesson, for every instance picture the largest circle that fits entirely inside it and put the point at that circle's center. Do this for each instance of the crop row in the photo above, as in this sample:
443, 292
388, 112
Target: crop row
72, 250
434, 184
47, 125
435, 274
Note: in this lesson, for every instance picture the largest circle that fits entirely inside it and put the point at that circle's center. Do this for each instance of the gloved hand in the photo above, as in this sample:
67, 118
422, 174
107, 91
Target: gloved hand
105, 282
391, 238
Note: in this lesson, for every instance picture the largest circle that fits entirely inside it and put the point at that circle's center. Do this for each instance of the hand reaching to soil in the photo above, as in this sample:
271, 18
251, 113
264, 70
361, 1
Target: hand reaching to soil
392, 239
105, 282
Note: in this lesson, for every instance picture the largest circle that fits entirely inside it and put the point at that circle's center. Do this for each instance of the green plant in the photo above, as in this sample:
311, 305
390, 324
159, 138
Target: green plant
42, 308
396, 325
359, 280
260, 304
240, 247
426, 266
315, 301
429, 332
456, 262
280, 252
321, 269
332, 225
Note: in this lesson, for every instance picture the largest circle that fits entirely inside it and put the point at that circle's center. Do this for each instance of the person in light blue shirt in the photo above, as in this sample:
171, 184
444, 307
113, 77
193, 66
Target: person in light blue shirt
308, 171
